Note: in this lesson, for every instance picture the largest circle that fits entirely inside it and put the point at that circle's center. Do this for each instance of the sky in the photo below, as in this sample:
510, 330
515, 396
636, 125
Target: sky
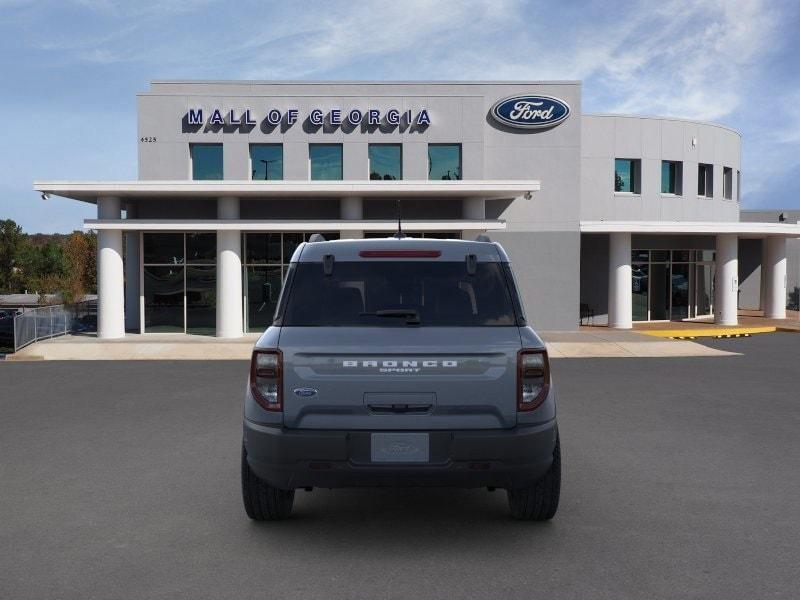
70, 70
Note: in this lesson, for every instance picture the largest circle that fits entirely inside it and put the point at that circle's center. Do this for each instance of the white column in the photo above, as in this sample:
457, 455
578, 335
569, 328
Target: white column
131, 274
774, 271
620, 295
110, 278
351, 208
229, 273
726, 284
474, 209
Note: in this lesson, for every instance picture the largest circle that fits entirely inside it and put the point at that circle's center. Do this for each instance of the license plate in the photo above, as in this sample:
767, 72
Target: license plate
400, 447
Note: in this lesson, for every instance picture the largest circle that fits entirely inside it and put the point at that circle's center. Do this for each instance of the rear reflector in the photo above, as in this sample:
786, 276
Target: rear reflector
400, 254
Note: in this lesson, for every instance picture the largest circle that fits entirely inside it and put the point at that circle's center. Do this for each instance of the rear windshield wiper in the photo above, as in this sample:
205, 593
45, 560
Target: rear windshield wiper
411, 315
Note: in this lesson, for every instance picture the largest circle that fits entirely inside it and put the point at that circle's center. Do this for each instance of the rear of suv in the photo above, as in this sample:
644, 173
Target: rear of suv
400, 362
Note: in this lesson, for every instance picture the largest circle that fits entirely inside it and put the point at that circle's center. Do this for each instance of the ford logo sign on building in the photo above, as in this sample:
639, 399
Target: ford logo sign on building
530, 112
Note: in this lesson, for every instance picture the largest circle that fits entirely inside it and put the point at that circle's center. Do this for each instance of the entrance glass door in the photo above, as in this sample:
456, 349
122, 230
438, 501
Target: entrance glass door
680, 292
659, 292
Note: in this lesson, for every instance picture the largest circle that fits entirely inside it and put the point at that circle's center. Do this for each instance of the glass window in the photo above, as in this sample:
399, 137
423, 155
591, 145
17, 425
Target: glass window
444, 161
163, 299
326, 161
640, 255
263, 248
201, 300
659, 256
206, 161
267, 256
626, 175
266, 162
385, 161
671, 175
201, 248
290, 243
682, 255
163, 248
705, 180
440, 293
727, 183
263, 287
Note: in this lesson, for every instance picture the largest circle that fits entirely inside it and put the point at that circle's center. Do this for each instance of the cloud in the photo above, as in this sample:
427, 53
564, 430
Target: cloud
691, 59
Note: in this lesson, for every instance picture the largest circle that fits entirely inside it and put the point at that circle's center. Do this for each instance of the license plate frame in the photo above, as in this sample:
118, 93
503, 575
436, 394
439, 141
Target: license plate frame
406, 447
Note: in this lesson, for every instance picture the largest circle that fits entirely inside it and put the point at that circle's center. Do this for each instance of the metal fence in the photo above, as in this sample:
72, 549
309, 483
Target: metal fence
42, 323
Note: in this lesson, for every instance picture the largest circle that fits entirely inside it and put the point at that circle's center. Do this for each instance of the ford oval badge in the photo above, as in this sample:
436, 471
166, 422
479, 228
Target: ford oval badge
304, 392
530, 112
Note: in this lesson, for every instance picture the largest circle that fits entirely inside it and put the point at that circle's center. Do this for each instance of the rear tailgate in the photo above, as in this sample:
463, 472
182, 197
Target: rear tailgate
400, 378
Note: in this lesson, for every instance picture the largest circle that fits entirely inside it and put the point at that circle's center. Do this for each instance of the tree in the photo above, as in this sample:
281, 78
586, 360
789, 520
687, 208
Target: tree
11, 242
79, 279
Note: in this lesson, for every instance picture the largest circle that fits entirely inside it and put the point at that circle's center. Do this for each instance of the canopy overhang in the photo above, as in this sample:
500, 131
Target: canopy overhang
89, 191
290, 225
742, 229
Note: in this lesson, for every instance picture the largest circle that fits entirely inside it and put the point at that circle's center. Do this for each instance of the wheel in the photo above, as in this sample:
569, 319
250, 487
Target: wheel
539, 502
262, 502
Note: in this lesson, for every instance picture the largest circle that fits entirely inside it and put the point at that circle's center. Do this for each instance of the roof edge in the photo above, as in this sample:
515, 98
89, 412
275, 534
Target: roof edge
680, 119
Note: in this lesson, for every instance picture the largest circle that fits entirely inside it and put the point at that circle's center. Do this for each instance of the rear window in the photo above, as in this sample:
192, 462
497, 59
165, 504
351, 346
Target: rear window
398, 293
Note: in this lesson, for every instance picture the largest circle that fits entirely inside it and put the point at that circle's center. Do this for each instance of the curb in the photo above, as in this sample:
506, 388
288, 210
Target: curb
718, 337
718, 333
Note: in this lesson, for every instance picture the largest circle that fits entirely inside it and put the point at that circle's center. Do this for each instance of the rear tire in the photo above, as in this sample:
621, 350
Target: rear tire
262, 502
539, 501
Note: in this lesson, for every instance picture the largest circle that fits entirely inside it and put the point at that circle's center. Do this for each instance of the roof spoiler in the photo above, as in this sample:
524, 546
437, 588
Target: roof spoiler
316, 237
483, 238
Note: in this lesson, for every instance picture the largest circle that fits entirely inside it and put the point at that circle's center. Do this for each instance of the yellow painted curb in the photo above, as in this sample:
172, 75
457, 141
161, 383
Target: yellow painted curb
708, 332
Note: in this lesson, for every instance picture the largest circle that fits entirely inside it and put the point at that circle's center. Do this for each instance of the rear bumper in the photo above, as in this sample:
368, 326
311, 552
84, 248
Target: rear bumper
295, 458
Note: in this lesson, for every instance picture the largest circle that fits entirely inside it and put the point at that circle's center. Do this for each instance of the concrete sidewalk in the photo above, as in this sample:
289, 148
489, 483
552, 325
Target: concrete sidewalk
152, 346
601, 342
594, 343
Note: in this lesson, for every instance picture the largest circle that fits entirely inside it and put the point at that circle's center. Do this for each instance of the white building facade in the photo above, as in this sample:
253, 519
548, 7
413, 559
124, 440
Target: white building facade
614, 218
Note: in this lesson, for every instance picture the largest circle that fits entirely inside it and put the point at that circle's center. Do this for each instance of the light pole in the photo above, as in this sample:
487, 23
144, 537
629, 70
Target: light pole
266, 167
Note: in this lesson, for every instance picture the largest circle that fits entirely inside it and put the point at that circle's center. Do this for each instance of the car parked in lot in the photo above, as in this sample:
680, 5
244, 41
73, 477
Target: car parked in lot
400, 362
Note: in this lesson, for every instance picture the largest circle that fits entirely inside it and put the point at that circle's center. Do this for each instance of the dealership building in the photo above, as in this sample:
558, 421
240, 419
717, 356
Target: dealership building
615, 218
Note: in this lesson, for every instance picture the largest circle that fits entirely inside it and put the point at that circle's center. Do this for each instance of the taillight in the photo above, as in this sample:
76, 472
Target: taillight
533, 378
266, 378
400, 254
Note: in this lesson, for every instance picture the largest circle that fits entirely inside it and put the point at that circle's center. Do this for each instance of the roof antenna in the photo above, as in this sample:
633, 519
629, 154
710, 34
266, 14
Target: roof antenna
399, 235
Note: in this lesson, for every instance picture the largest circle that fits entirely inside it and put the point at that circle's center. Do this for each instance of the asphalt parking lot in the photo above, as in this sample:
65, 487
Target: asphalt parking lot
681, 480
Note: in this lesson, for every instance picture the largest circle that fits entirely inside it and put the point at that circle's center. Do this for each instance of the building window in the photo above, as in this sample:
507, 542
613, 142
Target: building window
705, 180
385, 162
727, 183
671, 177
266, 261
672, 285
627, 174
444, 161
436, 235
325, 161
206, 161
266, 162
180, 282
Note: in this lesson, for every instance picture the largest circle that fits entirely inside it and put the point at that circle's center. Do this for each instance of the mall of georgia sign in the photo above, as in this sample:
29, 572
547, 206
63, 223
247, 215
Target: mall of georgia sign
530, 112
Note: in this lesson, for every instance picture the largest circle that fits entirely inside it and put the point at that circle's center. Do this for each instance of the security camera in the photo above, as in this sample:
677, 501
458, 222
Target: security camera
45, 196
528, 195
